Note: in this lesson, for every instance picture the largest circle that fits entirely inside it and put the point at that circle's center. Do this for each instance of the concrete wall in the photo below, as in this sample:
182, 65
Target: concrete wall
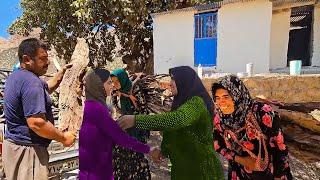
173, 40
315, 61
244, 31
285, 88
280, 27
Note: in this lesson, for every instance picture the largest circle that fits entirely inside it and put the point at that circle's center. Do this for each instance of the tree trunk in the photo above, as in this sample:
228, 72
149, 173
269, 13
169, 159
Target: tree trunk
302, 107
70, 103
150, 65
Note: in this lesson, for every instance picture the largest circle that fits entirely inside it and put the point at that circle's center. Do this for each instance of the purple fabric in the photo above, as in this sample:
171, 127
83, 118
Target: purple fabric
98, 134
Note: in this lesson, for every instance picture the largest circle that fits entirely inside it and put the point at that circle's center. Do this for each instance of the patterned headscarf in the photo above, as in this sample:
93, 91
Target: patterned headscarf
241, 98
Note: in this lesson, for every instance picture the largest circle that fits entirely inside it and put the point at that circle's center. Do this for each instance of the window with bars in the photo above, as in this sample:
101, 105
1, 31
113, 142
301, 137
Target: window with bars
205, 25
205, 39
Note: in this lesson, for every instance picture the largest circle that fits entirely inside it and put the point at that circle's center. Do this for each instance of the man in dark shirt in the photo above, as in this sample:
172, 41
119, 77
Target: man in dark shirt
28, 113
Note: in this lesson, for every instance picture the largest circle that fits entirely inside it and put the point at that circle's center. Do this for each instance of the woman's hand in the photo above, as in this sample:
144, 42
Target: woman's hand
126, 121
156, 155
133, 100
117, 93
248, 162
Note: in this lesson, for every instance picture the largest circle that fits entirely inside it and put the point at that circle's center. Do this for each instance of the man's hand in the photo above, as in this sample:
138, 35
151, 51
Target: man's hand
126, 121
42, 127
54, 82
69, 139
67, 66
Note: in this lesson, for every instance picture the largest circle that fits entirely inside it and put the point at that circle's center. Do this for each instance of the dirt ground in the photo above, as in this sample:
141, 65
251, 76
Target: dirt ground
299, 169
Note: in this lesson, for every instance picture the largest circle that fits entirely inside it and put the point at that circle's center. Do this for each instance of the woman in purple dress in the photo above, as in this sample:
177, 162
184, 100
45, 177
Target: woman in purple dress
99, 132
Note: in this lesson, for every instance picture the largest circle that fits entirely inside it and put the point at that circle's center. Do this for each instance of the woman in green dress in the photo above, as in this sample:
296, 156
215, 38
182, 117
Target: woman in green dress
187, 128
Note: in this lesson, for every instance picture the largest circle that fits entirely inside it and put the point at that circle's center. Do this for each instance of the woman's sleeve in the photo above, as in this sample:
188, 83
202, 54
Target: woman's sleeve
278, 150
220, 146
184, 116
109, 127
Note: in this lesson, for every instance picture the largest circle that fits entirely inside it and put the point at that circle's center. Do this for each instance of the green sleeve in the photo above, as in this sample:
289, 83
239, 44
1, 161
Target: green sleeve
184, 116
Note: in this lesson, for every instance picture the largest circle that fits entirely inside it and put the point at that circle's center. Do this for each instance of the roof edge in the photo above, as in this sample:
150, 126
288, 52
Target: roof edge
216, 5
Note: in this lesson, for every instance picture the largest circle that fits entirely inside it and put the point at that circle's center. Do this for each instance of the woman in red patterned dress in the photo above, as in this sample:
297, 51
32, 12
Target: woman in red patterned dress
247, 134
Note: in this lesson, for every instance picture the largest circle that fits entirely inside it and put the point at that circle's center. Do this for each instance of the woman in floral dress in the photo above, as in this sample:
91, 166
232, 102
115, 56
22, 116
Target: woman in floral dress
127, 163
247, 134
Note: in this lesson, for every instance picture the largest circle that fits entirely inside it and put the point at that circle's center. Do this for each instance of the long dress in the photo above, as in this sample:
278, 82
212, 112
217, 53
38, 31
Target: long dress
129, 164
187, 140
99, 133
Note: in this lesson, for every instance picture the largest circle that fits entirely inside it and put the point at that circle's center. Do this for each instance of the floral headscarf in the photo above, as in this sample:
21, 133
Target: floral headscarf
241, 98
251, 130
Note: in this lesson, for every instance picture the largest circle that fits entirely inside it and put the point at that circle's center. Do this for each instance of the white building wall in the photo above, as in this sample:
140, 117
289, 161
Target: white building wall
173, 40
280, 28
315, 61
244, 31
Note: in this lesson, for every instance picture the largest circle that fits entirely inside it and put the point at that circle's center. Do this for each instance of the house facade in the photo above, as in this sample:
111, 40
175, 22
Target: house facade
227, 35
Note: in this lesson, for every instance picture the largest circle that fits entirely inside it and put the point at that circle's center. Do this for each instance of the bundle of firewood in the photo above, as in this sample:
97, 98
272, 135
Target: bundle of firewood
302, 130
301, 126
152, 96
151, 92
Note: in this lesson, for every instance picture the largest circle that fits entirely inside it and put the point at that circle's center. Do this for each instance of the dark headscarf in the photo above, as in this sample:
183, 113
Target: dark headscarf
189, 85
93, 83
241, 98
126, 86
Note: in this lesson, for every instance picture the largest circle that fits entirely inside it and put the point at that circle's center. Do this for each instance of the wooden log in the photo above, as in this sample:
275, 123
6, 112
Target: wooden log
302, 107
302, 143
70, 104
299, 118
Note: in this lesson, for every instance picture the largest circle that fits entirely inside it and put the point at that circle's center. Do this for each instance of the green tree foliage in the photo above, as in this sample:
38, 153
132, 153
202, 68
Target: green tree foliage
101, 22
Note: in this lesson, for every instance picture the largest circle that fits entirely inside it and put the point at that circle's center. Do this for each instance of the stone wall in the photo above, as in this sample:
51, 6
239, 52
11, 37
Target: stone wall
285, 88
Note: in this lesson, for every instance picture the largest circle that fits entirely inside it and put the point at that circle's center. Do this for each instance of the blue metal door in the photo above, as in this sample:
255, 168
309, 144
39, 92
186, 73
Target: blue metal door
205, 39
